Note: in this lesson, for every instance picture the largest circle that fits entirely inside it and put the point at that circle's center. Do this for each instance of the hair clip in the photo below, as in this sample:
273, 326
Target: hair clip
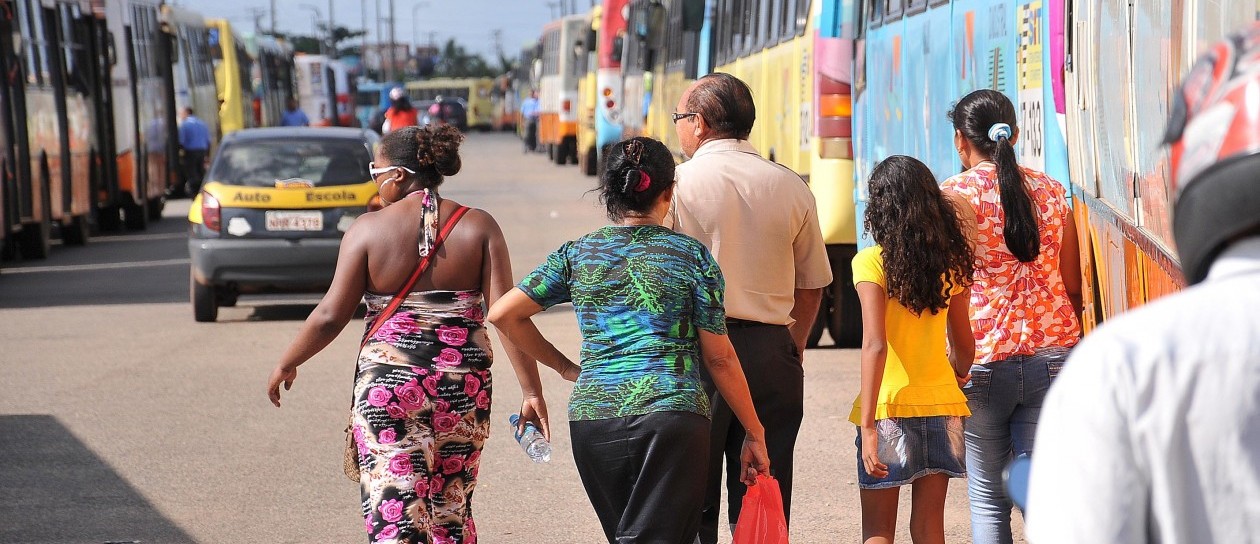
634, 151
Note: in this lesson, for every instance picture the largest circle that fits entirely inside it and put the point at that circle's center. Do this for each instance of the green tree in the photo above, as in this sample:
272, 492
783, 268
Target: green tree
315, 45
455, 61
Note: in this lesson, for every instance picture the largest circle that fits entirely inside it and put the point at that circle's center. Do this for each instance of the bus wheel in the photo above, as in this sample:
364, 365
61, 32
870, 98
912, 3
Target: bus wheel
592, 157
76, 231
155, 208
815, 332
136, 216
205, 306
108, 220
35, 241
844, 323
561, 155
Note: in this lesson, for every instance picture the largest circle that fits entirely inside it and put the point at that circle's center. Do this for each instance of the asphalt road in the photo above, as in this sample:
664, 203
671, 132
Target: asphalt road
123, 420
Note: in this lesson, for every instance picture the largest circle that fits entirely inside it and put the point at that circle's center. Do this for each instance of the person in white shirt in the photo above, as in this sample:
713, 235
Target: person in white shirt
1152, 431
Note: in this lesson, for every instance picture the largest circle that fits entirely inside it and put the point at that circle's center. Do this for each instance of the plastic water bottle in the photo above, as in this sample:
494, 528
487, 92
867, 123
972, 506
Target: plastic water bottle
532, 440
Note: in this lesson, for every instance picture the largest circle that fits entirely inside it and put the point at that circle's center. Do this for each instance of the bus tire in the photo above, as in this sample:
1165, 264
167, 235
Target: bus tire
35, 241
205, 305
559, 153
136, 215
815, 332
840, 311
76, 231
155, 208
108, 219
592, 157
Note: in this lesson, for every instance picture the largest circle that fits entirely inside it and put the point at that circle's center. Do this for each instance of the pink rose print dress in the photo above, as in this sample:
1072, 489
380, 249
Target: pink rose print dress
421, 416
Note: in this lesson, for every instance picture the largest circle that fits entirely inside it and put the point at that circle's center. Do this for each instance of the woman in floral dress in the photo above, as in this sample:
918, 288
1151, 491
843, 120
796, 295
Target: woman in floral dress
422, 389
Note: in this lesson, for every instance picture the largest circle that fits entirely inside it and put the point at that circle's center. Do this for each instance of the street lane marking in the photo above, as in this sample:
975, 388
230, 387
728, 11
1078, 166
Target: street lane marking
139, 237
90, 267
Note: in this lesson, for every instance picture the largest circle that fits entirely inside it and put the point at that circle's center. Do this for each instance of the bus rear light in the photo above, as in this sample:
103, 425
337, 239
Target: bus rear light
835, 127
210, 213
835, 105
836, 148
568, 106
607, 92
610, 104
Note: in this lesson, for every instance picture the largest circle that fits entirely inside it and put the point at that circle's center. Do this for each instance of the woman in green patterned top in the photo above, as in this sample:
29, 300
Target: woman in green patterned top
649, 305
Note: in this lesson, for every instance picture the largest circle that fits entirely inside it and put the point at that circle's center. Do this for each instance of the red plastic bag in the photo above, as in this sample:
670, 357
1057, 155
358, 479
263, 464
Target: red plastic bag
761, 518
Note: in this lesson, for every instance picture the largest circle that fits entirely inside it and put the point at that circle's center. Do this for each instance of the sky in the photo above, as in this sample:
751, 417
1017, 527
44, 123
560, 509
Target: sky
469, 22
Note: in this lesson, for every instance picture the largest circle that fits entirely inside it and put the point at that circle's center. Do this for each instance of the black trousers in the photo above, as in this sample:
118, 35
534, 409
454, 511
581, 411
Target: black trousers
644, 474
194, 170
776, 380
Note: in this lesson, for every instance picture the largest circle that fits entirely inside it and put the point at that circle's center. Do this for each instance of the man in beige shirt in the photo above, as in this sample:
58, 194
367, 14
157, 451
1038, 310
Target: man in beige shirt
759, 220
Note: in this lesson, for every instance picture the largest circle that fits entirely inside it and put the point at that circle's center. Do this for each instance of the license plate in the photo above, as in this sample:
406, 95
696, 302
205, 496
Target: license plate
295, 221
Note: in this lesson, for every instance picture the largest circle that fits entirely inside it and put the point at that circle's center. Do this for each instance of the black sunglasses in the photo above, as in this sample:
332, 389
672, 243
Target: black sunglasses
679, 116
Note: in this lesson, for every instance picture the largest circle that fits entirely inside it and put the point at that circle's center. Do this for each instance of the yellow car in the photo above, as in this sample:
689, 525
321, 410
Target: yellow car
272, 212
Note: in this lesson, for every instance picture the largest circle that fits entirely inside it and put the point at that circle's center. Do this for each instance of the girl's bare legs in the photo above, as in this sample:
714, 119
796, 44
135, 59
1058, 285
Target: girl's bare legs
927, 509
879, 514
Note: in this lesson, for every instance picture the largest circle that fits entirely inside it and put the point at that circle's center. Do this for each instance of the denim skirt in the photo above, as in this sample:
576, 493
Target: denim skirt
914, 447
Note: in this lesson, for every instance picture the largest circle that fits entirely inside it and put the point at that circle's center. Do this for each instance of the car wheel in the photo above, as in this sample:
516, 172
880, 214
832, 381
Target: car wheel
205, 307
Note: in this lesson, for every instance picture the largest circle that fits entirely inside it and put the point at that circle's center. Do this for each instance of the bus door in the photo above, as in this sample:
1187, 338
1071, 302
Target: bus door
101, 56
74, 95
8, 186
35, 119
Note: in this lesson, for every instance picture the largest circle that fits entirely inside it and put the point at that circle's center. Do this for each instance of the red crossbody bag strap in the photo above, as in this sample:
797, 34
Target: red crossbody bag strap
411, 282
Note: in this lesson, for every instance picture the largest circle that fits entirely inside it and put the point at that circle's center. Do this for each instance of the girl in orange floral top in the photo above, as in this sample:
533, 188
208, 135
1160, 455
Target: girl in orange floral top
1025, 298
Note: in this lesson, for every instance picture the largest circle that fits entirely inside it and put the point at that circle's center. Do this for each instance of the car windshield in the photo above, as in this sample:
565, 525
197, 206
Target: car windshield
323, 162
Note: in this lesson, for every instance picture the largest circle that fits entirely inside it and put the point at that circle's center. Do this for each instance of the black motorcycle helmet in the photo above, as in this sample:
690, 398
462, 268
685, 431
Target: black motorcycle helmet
1214, 139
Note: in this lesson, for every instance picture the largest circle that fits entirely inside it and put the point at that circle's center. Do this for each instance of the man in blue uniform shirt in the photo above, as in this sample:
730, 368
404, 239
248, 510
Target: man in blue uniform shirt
194, 141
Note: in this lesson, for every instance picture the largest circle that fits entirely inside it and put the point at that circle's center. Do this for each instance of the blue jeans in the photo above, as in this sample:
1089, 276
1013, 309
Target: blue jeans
1005, 400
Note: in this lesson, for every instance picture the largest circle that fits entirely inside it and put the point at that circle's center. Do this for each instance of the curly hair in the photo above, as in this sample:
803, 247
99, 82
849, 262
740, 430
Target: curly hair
926, 253
633, 174
432, 152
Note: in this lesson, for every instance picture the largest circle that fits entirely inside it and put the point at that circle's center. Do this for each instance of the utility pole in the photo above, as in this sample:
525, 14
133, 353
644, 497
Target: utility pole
393, 51
273, 18
257, 15
332, 26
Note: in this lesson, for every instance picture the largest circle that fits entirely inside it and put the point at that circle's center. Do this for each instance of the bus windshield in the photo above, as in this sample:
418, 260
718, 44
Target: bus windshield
322, 162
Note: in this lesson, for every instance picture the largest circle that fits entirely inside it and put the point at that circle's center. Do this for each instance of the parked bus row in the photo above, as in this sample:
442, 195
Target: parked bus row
89, 106
841, 84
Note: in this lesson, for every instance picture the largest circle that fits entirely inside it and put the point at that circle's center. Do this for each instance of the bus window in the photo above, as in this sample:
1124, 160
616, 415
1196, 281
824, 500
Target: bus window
916, 6
892, 10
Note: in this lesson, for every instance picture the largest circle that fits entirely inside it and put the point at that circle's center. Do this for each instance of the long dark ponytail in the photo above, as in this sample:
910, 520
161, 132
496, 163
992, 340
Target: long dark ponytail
986, 118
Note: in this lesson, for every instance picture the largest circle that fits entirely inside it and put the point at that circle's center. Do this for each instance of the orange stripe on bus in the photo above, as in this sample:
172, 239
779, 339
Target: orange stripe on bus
126, 172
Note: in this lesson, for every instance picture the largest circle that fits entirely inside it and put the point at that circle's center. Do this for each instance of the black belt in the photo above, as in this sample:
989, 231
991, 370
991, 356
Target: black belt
736, 323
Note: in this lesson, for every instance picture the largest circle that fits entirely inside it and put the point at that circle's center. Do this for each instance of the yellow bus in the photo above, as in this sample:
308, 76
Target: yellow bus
588, 98
232, 74
797, 59
558, 87
476, 92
